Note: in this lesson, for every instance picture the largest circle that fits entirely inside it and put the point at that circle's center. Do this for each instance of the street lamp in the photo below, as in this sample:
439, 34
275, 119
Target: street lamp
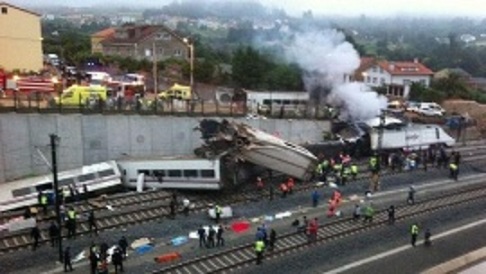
190, 44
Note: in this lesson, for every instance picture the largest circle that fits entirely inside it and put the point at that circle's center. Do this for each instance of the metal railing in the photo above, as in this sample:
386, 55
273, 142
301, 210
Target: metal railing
41, 103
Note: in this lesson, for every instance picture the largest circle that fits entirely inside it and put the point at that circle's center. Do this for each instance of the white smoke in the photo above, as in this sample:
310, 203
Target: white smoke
326, 57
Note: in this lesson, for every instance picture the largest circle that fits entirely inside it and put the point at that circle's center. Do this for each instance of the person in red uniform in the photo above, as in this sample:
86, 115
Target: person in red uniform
290, 185
312, 229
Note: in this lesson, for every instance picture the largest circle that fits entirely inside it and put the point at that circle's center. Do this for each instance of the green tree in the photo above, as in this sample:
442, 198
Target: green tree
454, 86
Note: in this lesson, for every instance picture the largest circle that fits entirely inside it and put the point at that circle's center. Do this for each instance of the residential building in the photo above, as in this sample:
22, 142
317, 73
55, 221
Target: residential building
396, 77
140, 42
97, 38
20, 39
478, 83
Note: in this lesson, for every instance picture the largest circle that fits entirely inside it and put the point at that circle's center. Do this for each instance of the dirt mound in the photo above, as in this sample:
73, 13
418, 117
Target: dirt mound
468, 108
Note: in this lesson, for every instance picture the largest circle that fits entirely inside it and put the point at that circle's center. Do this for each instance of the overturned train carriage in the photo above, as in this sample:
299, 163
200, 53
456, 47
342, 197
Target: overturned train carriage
244, 143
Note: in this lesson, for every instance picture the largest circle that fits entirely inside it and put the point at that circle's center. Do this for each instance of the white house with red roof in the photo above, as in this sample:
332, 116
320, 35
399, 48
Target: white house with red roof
395, 76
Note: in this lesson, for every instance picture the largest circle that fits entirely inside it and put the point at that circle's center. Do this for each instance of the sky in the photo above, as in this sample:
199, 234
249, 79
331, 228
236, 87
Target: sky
472, 8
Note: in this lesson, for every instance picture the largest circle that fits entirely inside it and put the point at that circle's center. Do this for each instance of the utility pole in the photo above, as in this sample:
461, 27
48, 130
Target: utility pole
154, 60
54, 139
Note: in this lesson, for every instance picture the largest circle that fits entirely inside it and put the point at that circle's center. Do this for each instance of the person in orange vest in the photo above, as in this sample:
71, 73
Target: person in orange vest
312, 230
336, 196
332, 208
259, 184
290, 185
284, 189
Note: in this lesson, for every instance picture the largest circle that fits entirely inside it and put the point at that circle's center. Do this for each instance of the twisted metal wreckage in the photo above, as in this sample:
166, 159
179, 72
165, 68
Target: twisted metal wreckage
243, 143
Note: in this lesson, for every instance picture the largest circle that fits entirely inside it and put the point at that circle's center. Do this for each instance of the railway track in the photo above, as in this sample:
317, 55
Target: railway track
241, 256
133, 198
136, 208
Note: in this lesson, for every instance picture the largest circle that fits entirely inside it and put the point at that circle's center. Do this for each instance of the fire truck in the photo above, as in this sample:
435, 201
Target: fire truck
27, 85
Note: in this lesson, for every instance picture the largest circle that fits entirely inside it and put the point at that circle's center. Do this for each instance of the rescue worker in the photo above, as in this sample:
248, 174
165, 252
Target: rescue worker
356, 212
457, 158
338, 168
391, 214
93, 258
218, 211
53, 233
411, 196
219, 236
211, 234
284, 189
427, 241
259, 248
312, 230
354, 171
259, 184
414, 231
71, 223
369, 213
67, 259
345, 174
92, 223
273, 239
318, 173
202, 236
43, 202
123, 243
374, 166
290, 185
117, 260
185, 206
27, 213
35, 234
454, 171
315, 198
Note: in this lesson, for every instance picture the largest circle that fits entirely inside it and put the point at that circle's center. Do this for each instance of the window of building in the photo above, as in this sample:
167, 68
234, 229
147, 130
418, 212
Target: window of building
106, 173
4, 10
423, 82
406, 82
382, 80
177, 52
373, 69
381, 70
368, 79
375, 80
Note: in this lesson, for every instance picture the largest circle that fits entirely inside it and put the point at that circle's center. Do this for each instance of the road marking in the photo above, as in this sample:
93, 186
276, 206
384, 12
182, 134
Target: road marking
403, 248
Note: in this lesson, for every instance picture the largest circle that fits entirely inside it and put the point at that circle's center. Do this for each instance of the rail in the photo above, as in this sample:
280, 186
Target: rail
240, 256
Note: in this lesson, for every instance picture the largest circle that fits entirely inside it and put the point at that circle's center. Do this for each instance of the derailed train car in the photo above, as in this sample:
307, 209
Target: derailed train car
244, 143
364, 138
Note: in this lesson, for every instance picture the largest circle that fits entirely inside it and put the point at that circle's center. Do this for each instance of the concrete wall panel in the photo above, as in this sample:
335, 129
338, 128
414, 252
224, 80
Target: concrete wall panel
95, 138
71, 141
86, 139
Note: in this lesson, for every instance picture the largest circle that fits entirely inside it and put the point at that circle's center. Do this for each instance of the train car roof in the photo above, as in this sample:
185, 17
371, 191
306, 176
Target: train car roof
35, 180
163, 158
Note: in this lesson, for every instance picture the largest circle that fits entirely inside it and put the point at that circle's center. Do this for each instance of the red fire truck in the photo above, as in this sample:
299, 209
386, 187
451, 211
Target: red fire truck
27, 85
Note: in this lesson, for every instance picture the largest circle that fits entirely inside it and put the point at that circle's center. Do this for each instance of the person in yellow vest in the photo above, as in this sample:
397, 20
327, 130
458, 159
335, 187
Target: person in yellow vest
44, 202
354, 170
454, 170
259, 248
217, 212
71, 222
414, 231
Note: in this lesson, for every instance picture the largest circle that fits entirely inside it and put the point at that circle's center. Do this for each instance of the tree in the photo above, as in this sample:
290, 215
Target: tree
454, 86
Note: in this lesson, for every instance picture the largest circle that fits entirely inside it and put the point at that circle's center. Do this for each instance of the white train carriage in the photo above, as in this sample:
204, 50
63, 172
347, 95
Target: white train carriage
95, 178
411, 137
172, 173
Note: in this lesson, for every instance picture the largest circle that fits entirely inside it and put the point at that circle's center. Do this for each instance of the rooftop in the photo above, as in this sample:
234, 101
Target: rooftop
19, 8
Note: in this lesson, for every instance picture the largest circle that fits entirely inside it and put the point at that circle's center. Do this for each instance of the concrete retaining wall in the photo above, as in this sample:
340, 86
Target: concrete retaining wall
86, 139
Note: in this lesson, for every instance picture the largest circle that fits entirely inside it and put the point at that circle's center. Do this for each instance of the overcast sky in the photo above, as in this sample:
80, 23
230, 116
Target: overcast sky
335, 7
